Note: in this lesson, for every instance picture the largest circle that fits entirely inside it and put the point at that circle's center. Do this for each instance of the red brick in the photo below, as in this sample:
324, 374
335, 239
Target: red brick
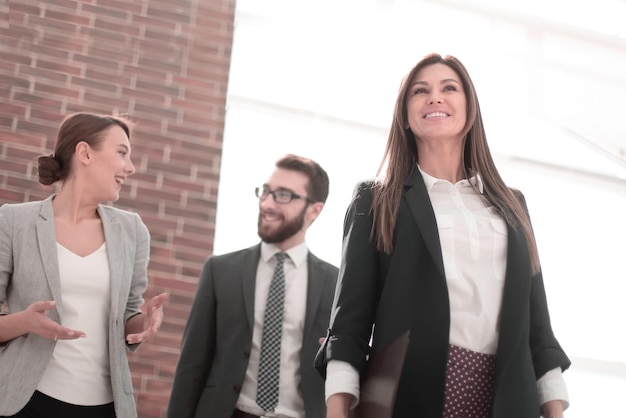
129, 6
39, 101
58, 25
71, 5
107, 55
120, 15
16, 58
43, 88
116, 26
22, 7
67, 17
55, 77
68, 42
62, 67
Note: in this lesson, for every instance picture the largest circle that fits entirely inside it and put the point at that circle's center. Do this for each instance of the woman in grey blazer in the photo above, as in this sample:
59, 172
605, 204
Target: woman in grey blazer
72, 275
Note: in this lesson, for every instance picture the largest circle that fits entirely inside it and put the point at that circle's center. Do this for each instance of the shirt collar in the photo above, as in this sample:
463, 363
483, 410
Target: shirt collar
430, 181
297, 253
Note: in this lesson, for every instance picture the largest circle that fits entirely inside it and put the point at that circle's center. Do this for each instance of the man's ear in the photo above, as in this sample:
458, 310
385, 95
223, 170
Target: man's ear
315, 210
83, 152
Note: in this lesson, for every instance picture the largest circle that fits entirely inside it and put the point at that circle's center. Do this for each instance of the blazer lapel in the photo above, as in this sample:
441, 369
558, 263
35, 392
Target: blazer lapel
315, 286
248, 281
515, 295
115, 245
46, 238
418, 200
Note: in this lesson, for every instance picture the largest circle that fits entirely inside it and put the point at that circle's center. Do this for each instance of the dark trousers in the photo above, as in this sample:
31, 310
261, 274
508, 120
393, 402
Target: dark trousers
43, 406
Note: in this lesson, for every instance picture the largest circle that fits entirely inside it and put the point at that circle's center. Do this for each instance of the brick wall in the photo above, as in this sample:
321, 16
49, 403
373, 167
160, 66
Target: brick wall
166, 64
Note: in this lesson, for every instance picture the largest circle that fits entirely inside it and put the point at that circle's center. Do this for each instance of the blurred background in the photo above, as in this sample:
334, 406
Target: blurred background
321, 78
221, 89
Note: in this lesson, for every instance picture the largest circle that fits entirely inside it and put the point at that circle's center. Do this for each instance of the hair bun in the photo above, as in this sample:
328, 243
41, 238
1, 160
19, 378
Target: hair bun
49, 169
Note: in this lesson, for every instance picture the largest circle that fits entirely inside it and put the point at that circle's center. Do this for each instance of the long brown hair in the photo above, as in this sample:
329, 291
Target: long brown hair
400, 157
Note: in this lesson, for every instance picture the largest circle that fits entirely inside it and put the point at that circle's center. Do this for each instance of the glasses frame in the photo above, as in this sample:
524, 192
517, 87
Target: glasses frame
263, 193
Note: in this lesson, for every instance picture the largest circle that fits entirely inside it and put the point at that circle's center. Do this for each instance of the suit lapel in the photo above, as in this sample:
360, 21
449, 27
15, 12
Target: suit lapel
48, 251
249, 266
515, 295
315, 286
418, 200
116, 254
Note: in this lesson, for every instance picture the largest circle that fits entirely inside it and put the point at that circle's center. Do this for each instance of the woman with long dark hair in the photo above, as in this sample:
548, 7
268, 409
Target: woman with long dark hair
442, 247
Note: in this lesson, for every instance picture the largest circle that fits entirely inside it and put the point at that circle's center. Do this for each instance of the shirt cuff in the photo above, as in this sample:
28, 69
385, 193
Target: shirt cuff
551, 387
342, 377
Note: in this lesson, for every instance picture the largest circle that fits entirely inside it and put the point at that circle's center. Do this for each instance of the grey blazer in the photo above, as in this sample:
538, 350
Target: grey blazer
218, 337
29, 273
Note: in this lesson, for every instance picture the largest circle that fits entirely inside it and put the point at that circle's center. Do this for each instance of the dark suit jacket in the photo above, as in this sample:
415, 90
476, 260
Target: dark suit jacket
408, 290
218, 336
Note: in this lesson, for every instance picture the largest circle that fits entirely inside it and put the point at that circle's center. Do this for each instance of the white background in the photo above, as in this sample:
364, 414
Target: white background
319, 78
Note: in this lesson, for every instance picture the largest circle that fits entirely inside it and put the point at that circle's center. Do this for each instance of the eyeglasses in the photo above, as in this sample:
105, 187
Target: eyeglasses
279, 195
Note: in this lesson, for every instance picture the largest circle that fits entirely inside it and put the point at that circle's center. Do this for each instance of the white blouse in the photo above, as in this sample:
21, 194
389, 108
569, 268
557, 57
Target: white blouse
79, 371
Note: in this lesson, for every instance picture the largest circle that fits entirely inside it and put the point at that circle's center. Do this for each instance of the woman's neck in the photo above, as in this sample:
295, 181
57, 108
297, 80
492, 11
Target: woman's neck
441, 159
73, 206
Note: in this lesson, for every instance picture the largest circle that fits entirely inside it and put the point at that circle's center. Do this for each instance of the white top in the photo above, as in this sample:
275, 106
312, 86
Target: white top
79, 371
290, 402
474, 249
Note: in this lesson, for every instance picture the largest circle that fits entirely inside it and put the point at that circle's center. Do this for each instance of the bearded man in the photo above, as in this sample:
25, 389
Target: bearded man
254, 327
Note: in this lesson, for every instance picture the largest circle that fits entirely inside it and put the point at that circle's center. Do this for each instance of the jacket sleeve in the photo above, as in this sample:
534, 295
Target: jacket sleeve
6, 258
197, 349
357, 291
140, 268
6, 252
139, 281
546, 351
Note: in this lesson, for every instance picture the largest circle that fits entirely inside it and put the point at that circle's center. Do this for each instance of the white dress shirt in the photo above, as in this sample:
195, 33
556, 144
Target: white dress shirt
290, 402
474, 248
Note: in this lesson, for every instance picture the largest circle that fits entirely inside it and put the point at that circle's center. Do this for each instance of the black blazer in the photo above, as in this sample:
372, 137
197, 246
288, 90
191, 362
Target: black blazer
218, 336
407, 290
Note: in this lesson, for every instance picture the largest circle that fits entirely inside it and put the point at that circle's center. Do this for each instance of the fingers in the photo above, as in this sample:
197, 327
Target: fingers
157, 301
62, 333
152, 321
42, 306
155, 311
138, 338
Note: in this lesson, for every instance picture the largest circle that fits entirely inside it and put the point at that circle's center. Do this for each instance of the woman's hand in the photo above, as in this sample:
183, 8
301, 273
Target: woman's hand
552, 409
338, 405
33, 320
143, 326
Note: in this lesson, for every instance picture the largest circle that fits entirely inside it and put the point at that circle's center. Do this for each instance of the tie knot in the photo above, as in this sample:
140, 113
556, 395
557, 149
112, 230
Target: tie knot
281, 257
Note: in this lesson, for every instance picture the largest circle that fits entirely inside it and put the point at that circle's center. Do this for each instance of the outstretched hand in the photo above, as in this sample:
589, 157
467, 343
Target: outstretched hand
152, 319
35, 321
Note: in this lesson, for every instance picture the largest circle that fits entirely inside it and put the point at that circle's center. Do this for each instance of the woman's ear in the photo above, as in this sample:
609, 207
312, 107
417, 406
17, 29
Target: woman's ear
83, 151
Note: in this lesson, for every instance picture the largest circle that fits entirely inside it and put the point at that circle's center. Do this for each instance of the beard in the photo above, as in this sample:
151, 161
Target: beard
288, 229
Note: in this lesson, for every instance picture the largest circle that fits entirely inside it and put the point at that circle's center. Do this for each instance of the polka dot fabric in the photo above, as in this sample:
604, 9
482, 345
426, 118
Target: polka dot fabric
469, 384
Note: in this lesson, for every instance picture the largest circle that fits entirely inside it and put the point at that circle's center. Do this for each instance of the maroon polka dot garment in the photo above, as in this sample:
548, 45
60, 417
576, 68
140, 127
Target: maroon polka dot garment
469, 384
